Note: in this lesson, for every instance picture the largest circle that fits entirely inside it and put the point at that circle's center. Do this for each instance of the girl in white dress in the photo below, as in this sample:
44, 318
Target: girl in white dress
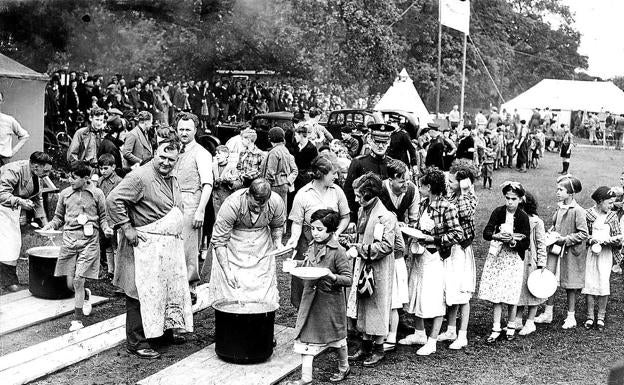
604, 249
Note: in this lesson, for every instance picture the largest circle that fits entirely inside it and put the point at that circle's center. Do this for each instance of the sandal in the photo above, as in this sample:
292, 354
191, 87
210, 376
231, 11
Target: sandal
600, 325
589, 323
494, 336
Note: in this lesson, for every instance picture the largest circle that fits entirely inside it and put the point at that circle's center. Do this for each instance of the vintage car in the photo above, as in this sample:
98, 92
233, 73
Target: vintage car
262, 123
362, 118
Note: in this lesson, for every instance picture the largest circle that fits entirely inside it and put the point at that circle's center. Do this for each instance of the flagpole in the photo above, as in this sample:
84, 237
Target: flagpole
439, 61
463, 85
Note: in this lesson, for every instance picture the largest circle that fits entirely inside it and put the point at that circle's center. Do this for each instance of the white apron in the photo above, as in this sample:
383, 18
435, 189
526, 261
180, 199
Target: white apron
190, 235
256, 274
10, 235
160, 274
459, 275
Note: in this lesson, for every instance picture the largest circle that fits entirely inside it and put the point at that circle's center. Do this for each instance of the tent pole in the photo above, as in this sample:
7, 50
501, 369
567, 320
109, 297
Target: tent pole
463, 86
439, 63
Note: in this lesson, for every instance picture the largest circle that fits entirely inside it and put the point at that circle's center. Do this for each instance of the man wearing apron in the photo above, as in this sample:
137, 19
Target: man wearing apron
249, 225
20, 196
152, 272
194, 173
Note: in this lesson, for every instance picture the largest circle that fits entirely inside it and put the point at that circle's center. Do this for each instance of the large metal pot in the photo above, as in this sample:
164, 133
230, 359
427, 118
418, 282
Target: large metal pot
41, 280
244, 330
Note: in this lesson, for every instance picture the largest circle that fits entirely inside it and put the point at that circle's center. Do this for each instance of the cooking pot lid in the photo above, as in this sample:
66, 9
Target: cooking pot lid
244, 307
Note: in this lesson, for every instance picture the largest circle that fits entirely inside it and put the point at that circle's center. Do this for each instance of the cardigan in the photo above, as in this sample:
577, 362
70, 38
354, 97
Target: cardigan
521, 225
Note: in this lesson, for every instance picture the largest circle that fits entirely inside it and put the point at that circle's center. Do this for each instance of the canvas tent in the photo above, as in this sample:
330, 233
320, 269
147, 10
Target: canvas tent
402, 95
567, 96
23, 91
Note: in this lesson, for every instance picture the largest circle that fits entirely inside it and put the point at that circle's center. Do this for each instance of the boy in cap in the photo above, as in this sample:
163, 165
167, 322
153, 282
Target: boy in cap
435, 150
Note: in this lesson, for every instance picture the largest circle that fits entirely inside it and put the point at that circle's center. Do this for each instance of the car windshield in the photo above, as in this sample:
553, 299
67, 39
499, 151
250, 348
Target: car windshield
266, 123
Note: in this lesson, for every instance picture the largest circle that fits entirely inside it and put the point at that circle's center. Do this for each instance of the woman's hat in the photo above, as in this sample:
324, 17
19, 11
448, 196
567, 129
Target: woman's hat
542, 283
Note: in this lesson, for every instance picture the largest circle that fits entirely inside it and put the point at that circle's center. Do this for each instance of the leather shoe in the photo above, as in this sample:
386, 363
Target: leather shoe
13, 288
337, 377
177, 339
359, 355
374, 359
148, 354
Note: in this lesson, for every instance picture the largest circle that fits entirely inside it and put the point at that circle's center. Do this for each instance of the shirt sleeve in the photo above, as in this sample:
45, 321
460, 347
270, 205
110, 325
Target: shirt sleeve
226, 218
126, 149
279, 212
271, 167
8, 180
129, 190
454, 232
100, 201
297, 211
74, 147
18, 130
59, 213
204, 168
343, 205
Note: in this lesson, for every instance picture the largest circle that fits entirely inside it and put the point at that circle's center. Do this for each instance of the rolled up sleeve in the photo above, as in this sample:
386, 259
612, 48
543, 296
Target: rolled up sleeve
129, 190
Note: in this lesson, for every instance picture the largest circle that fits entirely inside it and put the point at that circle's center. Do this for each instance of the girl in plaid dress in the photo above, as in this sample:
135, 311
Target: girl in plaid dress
604, 244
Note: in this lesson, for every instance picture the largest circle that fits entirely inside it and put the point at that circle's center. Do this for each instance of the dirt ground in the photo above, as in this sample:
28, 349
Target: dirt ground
549, 356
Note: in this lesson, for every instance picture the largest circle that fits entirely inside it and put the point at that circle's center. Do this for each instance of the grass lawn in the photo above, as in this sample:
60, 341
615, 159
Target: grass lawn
549, 356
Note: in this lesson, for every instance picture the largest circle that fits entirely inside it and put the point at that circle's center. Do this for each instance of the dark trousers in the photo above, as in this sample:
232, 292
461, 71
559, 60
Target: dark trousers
135, 337
8, 275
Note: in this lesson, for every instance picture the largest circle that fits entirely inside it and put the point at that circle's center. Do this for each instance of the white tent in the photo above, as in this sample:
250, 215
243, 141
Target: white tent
569, 95
402, 95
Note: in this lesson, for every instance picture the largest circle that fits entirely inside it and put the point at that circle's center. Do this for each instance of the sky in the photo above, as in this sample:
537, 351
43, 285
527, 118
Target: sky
600, 22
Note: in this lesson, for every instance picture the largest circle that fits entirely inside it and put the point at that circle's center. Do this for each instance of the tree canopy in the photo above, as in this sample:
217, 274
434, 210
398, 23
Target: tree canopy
358, 44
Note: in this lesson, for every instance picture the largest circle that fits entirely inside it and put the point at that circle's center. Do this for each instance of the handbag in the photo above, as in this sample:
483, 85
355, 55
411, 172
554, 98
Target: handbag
366, 281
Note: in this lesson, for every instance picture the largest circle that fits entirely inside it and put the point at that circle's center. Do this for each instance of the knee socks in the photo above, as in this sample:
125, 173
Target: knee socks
306, 367
566, 165
343, 362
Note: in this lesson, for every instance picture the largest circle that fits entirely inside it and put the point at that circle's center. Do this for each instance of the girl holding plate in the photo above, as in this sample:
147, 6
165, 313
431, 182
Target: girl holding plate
605, 241
322, 318
568, 255
508, 231
438, 220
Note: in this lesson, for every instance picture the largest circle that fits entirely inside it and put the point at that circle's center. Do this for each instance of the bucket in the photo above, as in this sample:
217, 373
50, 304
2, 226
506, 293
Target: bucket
41, 280
244, 331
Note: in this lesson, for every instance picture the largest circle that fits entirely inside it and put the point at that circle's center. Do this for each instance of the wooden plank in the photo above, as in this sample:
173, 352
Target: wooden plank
195, 367
50, 356
50, 346
204, 367
62, 358
12, 297
32, 310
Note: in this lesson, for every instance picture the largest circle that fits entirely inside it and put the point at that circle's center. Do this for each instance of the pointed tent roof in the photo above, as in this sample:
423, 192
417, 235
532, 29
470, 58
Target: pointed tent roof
402, 95
570, 95
9, 68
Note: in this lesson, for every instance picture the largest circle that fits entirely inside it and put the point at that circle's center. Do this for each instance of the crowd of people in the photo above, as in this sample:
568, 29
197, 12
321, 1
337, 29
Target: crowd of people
389, 217
69, 98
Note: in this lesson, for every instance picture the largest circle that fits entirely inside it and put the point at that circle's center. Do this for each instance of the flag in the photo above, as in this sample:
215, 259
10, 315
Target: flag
455, 14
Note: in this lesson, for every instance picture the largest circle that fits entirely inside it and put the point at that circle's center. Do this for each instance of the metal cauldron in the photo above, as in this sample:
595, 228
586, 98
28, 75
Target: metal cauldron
41, 280
244, 330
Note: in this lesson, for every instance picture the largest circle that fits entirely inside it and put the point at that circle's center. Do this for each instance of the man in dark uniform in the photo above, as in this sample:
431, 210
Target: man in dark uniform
435, 151
376, 161
401, 147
